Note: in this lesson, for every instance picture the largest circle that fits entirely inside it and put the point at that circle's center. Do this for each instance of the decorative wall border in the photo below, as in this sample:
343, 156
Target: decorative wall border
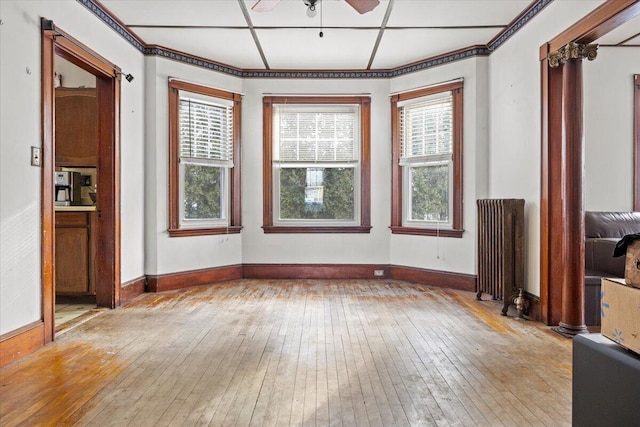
152, 50
519, 21
164, 52
115, 24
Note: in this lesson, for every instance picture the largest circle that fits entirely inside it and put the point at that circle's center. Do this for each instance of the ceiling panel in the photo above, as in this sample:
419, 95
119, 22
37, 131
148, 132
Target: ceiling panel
412, 13
633, 42
228, 46
181, 12
629, 29
401, 47
304, 49
293, 13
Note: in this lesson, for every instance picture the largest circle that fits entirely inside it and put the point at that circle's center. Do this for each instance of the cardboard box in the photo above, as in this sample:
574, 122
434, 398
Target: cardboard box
620, 311
632, 264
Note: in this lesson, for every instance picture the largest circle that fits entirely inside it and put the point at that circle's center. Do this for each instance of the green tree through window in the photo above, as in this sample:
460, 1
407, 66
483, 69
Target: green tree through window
202, 192
337, 189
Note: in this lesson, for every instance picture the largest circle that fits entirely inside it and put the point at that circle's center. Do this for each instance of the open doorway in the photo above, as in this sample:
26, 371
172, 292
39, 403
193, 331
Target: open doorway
80, 175
75, 192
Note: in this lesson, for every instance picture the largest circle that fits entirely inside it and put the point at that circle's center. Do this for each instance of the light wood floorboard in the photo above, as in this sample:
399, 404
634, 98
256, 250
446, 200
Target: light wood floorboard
296, 353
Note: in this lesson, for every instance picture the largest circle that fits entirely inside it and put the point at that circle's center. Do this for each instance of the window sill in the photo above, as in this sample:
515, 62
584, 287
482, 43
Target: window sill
269, 229
426, 231
186, 232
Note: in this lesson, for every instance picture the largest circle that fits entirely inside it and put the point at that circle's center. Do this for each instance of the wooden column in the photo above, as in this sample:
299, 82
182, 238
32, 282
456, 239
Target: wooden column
571, 150
572, 319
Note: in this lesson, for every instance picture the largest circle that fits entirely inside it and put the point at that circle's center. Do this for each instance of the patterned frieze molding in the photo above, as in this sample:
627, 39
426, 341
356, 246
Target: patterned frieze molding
573, 51
520, 21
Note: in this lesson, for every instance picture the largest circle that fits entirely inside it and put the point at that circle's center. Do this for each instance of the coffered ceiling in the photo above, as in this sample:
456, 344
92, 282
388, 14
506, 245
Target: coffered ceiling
394, 34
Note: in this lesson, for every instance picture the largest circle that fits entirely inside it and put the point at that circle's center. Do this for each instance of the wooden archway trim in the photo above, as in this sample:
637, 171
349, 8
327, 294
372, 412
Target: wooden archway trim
561, 223
55, 41
636, 142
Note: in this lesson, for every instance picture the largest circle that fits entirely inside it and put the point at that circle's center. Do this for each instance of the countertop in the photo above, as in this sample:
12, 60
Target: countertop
77, 208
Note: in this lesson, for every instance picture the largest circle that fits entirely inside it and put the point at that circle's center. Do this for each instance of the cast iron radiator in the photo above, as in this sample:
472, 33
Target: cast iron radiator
500, 249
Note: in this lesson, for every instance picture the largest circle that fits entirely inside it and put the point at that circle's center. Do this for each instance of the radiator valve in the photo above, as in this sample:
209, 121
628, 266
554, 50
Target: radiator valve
519, 301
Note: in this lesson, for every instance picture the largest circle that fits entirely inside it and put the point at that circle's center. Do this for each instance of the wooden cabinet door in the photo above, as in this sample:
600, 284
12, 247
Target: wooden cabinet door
76, 139
72, 253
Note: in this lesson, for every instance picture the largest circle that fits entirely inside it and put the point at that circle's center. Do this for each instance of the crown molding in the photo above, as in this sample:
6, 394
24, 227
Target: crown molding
518, 22
163, 52
114, 23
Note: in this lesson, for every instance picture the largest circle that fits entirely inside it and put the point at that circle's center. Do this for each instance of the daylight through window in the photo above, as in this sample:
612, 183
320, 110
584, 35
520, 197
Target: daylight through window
427, 161
316, 164
203, 165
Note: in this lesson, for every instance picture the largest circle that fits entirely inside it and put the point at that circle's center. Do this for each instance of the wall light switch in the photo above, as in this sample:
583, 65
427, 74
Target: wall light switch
35, 156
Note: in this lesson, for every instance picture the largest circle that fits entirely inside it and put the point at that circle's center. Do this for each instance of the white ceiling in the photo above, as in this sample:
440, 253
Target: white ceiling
286, 39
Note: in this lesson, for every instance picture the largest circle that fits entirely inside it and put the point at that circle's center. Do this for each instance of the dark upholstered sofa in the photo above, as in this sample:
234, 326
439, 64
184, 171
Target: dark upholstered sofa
602, 231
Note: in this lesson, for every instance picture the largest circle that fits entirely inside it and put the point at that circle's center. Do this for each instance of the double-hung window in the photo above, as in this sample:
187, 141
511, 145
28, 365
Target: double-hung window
427, 161
317, 175
204, 150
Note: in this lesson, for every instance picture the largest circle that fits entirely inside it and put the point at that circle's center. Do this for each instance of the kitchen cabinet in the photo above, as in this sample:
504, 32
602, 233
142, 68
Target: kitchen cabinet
75, 252
76, 127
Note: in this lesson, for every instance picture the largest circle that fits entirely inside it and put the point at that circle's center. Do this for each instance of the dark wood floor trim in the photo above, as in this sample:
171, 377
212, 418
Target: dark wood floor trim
132, 289
186, 279
441, 279
535, 309
314, 271
21, 342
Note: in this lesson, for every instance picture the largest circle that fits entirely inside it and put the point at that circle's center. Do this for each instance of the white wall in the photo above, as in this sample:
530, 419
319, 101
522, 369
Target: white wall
608, 111
514, 125
20, 123
453, 254
71, 75
166, 254
315, 248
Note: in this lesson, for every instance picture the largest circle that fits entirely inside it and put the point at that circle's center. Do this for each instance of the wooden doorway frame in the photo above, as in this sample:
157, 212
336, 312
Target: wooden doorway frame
57, 42
558, 230
636, 142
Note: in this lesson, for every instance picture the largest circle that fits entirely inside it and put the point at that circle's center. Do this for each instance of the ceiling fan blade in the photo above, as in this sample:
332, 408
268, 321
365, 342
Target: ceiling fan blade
363, 6
264, 5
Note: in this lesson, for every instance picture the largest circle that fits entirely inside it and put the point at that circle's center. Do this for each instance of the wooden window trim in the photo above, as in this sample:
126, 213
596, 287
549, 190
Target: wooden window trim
365, 163
456, 89
235, 218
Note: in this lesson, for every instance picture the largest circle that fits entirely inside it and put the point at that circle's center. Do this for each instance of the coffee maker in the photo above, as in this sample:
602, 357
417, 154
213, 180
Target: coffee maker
67, 188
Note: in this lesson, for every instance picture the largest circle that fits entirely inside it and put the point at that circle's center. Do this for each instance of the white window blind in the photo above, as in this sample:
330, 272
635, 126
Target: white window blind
426, 129
314, 134
206, 131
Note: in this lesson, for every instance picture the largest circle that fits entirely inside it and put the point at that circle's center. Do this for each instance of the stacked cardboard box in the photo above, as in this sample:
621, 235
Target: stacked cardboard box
620, 312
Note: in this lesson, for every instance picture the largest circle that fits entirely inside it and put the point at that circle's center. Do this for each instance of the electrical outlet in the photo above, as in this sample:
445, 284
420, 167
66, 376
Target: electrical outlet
35, 156
378, 273
86, 180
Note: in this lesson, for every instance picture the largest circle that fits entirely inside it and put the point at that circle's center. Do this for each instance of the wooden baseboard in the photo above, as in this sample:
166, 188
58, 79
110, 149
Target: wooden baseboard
132, 289
186, 279
21, 342
535, 309
442, 279
314, 271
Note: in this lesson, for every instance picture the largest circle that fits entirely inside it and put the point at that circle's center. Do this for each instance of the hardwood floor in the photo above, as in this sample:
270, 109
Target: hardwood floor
301, 352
